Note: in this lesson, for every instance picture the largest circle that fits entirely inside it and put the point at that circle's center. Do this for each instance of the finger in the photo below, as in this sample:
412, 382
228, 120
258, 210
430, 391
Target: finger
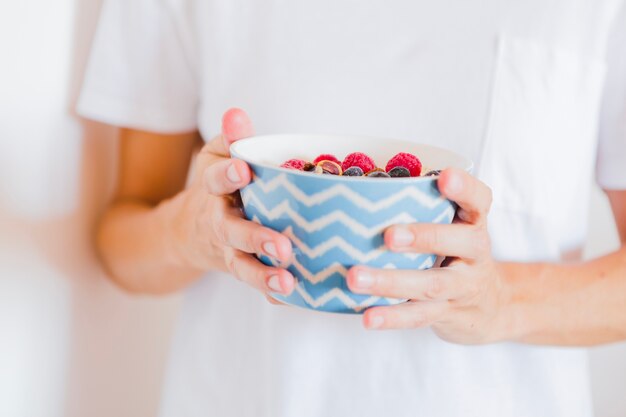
226, 176
405, 316
251, 237
248, 269
235, 125
472, 195
460, 240
435, 284
274, 301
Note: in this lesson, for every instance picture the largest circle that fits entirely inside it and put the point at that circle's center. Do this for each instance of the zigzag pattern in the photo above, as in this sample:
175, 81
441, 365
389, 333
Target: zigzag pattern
447, 215
334, 268
341, 190
340, 217
337, 227
337, 242
284, 209
427, 263
345, 299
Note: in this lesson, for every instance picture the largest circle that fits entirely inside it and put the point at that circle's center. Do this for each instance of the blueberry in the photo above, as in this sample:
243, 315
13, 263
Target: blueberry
308, 167
353, 172
399, 172
433, 173
378, 174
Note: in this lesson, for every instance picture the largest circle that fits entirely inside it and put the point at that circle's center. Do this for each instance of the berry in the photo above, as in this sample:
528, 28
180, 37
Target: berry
358, 159
433, 173
353, 172
378, 174
407, 160
399, 172
329, 167
326, 157
308, 167
293, 164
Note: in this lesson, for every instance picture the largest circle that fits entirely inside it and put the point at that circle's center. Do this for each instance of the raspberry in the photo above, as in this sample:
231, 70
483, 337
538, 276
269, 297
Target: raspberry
358, 159
294, 164
403, 159
326, 157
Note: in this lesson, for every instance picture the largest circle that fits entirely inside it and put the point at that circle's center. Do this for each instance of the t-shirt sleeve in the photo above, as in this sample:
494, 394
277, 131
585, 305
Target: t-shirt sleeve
611, 164
139, 73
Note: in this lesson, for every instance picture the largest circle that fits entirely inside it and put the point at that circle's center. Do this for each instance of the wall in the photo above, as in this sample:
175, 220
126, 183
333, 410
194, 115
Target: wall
71, 344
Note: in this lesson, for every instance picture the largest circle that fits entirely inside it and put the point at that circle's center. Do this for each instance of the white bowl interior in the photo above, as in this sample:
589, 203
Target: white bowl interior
273, 150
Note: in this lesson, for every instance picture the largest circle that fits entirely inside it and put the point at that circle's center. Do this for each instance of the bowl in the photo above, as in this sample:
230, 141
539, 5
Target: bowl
336, 222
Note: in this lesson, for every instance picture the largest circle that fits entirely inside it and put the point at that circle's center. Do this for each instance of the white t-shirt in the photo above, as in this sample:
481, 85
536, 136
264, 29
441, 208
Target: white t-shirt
522, 88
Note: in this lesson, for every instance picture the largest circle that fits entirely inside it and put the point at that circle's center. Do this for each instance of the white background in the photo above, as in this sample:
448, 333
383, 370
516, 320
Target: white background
70, 343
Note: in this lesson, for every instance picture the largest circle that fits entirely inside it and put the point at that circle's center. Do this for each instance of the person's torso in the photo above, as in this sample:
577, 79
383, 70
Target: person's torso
510, 84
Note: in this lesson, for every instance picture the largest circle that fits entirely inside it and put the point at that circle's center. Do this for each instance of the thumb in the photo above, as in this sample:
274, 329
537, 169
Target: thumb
236, 125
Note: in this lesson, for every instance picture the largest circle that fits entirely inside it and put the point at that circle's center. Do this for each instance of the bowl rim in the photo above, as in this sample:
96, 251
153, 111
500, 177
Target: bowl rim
237, 155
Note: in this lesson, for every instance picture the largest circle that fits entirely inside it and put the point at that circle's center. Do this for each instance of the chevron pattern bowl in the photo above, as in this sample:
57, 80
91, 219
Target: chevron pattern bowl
337, 222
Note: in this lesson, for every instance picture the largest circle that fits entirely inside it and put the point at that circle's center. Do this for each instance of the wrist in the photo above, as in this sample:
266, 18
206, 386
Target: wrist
168, 218
518, 299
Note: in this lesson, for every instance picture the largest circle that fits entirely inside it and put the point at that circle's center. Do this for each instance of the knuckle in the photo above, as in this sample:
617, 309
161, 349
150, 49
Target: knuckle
205, 155
250, 243
220, 230
231, 264
428, 237
215, 145
435, 288
261, 278
434, 234
481, 241
206, 148
384, 283
209, 181
420, 319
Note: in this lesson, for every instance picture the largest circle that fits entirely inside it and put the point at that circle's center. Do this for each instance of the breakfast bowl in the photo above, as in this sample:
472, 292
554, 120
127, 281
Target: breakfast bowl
336, 222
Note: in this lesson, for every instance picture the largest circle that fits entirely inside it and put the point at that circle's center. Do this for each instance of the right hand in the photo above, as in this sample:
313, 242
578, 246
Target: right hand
210, 231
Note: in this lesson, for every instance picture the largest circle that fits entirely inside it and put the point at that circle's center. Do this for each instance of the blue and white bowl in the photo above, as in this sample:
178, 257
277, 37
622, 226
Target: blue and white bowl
337, 222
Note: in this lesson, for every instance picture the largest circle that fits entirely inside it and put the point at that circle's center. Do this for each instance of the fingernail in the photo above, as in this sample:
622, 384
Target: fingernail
270, 249
454, 184
232, 174
273, 283
376, 322
402, 236
364, 279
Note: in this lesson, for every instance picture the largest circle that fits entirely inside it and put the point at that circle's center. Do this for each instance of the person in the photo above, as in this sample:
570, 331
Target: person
520, 88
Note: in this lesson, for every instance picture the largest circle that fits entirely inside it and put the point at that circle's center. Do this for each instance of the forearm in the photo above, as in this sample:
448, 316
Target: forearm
579, 305
135, 243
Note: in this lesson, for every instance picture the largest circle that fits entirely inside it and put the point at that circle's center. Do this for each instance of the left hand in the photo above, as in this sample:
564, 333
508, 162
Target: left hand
463, 299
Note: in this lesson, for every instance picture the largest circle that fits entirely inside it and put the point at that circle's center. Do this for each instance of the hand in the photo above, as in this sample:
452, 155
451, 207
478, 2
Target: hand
209, 231
462, 301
